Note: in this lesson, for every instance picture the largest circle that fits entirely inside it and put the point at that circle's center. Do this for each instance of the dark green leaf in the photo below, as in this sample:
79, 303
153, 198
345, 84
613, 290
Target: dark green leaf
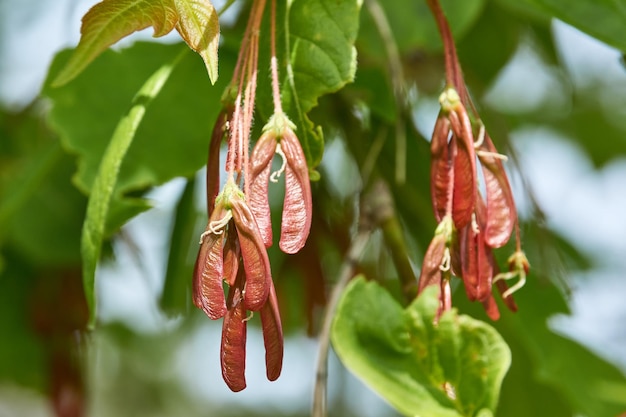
106, 181
46, 214
602, 19
176, 296
321, 60
173, 138
578, 375
414, 27
482, 54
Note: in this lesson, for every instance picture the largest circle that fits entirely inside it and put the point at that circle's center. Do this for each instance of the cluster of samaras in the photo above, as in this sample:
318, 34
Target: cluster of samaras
233, 247
470, 227
239, 231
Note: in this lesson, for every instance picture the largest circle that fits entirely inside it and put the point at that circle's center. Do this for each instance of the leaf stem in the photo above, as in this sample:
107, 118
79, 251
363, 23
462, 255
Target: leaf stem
225, 7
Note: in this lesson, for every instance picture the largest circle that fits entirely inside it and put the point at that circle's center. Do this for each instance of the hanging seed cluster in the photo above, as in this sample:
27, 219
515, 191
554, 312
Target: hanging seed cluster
233, 247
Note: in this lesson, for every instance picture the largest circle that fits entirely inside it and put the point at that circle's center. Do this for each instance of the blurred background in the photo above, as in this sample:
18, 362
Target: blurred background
559, 93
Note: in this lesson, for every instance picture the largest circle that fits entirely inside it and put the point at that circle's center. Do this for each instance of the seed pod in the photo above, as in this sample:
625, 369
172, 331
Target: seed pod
298, 205
476, 257
213, 161
231, 255
272, 336
445, 297
261, 164
431, 268
464, 165
233, 348
469, 261
208, 293
501, 213
491, 307
440, 167
254, 255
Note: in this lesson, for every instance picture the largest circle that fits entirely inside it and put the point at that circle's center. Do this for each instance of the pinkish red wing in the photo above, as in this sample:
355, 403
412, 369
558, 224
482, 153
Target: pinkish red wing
491, 307
231, 255
501, 213
254, 255
431, 268
464, 165
233, 348
272, 336
440, 168
261, 165
476, 258
208, 293
298, 205
213, 162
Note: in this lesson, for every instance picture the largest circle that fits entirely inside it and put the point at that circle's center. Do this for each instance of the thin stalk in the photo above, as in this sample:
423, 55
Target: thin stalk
454, 75
397, 81
245, 78
225, 7
278, 108
355, 251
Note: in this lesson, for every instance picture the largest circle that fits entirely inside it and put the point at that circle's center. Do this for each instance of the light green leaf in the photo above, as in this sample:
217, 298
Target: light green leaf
450, 369
321, 60
198, 25
111, 20
106, 180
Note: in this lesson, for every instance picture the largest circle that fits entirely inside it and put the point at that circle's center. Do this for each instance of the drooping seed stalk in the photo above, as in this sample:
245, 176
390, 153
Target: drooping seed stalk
245, 80
454, 74
278, 108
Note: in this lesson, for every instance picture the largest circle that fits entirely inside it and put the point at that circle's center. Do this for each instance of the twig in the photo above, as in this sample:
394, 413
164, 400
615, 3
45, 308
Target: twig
347, 271
397, 81
376, 211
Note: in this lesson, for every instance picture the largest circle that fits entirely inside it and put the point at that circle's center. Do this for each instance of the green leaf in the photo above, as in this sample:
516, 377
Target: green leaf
483, 55
569, 368
199, 26
106, 180
414, 27
176, 296
22, 354
111, 20
603, 19
410, 361
321, 60
46, 213
172, 140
